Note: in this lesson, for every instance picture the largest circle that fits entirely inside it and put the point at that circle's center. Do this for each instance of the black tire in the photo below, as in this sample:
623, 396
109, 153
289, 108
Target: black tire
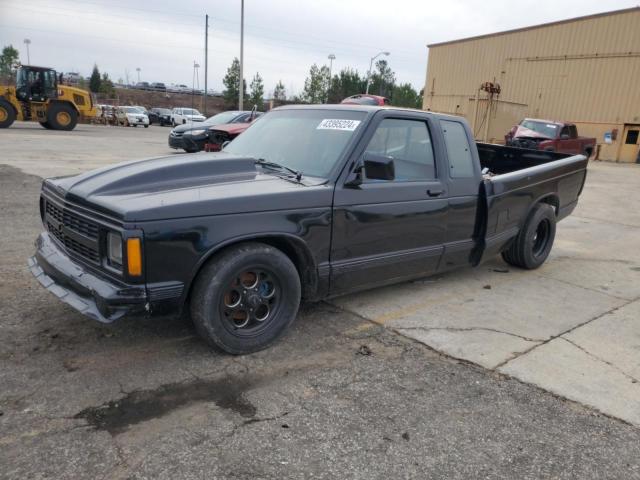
224, 297
7, 114
191, 150
62, 116
533, 244
146, 126
46, 125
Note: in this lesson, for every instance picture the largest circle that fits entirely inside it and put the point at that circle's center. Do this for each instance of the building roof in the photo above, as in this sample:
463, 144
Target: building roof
542, 25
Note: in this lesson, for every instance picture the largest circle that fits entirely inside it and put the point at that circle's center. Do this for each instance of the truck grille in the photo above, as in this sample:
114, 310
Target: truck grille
74, 222
76, 234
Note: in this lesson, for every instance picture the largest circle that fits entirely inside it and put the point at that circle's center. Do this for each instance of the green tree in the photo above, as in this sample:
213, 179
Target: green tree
315, 85
8, 58
257, 92
95, 80
280, 93
231, 81
382, 80
106, 85
346, 83
404, 95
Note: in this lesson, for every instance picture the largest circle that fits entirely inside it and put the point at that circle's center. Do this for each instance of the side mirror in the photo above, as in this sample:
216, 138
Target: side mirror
378, 167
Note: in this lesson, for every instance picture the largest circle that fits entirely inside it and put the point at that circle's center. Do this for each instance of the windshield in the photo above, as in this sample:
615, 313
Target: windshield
543, 128
190, 111
132, 110
220, 118
163, 111
309, 141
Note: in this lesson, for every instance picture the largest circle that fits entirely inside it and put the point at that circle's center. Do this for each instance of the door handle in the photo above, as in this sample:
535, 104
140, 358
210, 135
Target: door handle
434, 193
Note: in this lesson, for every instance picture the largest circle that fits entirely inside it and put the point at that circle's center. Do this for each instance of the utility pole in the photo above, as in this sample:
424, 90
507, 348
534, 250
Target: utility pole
206, 60
371, 68
241, 89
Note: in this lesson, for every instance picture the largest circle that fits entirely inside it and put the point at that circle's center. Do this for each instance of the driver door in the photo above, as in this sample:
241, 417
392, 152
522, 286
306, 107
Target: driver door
389, 230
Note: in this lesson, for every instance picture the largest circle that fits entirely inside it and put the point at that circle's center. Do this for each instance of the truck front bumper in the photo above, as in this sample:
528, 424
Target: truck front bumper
102, 300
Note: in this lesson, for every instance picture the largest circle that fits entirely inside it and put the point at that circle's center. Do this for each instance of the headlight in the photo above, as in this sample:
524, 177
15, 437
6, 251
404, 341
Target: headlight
114, 249
196, 132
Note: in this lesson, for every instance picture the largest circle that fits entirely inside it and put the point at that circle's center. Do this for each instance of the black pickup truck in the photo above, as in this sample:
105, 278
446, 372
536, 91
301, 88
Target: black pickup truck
310, 202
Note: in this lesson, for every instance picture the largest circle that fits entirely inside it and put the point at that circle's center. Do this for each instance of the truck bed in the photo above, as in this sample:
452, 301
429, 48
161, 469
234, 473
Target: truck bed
501, 159
519, 179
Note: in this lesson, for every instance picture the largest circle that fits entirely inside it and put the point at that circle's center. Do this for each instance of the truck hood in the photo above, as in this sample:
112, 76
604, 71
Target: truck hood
188, 186
523, 132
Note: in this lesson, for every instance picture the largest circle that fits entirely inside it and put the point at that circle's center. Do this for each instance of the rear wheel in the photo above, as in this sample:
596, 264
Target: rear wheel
245, 298
46, 125
61, 116
533, 244
7, 114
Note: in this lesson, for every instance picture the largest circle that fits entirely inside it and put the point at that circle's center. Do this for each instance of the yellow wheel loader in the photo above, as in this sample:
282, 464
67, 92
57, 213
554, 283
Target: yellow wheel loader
37, 96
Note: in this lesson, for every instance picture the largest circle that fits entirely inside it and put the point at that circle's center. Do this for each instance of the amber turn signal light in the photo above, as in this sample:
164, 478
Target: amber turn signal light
134, 257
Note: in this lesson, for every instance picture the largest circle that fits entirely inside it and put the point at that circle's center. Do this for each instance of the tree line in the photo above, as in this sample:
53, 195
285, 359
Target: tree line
322, 87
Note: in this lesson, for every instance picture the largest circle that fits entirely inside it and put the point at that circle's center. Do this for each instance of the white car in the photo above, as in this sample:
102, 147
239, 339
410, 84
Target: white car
131, 116
180, 116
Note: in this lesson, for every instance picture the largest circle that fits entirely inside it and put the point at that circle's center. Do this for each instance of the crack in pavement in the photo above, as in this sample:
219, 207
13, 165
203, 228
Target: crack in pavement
471, 329
589, 289
606, 362
553, 337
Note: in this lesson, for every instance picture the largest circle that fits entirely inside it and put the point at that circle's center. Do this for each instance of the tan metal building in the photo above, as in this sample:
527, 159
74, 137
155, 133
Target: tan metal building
584, 70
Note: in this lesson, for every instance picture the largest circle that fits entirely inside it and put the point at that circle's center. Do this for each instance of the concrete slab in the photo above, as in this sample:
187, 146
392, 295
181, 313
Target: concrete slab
567, 370
487, 348
614, 338
543, 308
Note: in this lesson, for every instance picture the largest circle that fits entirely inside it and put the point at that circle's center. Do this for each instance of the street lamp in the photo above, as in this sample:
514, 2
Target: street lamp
371, 67
138, 70
331, 58
27, 42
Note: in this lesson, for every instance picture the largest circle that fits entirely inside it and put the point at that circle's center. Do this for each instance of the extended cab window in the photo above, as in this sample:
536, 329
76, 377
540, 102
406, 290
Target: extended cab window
409, 144
458, 149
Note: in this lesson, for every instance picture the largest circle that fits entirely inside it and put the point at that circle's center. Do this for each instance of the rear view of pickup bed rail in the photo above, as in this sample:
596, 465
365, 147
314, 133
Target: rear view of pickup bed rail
360, 196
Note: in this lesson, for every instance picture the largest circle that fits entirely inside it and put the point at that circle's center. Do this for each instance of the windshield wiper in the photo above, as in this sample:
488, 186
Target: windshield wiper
265, 163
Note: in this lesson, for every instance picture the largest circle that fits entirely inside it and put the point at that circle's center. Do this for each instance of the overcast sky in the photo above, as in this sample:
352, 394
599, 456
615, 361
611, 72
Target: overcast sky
282, 37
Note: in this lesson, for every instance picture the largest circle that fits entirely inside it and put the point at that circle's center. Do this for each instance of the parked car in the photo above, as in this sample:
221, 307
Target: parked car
178, 88
310, 202
131, 117
159, 86
142, 109
550, 136
161, 116
181, 116
192, 137
142, 86
366, 99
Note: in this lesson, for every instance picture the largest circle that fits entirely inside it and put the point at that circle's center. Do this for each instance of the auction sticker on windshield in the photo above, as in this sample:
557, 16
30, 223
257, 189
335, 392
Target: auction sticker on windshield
338, 124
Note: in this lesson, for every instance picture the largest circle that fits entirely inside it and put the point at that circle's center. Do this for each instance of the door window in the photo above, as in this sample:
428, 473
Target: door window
458, 149
409, 144
632, 137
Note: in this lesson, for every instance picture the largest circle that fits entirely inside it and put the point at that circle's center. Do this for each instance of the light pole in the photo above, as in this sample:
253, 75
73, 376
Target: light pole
138, 70
371, 67
27, 42
331, 58
193, 85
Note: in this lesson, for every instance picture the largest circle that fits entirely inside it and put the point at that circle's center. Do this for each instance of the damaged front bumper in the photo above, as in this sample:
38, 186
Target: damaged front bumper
103, 300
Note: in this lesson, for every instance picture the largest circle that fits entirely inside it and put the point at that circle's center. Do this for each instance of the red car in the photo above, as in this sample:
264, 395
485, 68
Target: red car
223, 133
366, 99
550, 136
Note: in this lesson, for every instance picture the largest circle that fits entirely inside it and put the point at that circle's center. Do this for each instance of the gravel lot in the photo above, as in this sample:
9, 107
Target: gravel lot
343, 395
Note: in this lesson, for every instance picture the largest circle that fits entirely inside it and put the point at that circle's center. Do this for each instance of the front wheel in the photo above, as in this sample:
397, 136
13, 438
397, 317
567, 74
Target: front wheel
533, 244
146, 126
7, 114
61, 116
245, 298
